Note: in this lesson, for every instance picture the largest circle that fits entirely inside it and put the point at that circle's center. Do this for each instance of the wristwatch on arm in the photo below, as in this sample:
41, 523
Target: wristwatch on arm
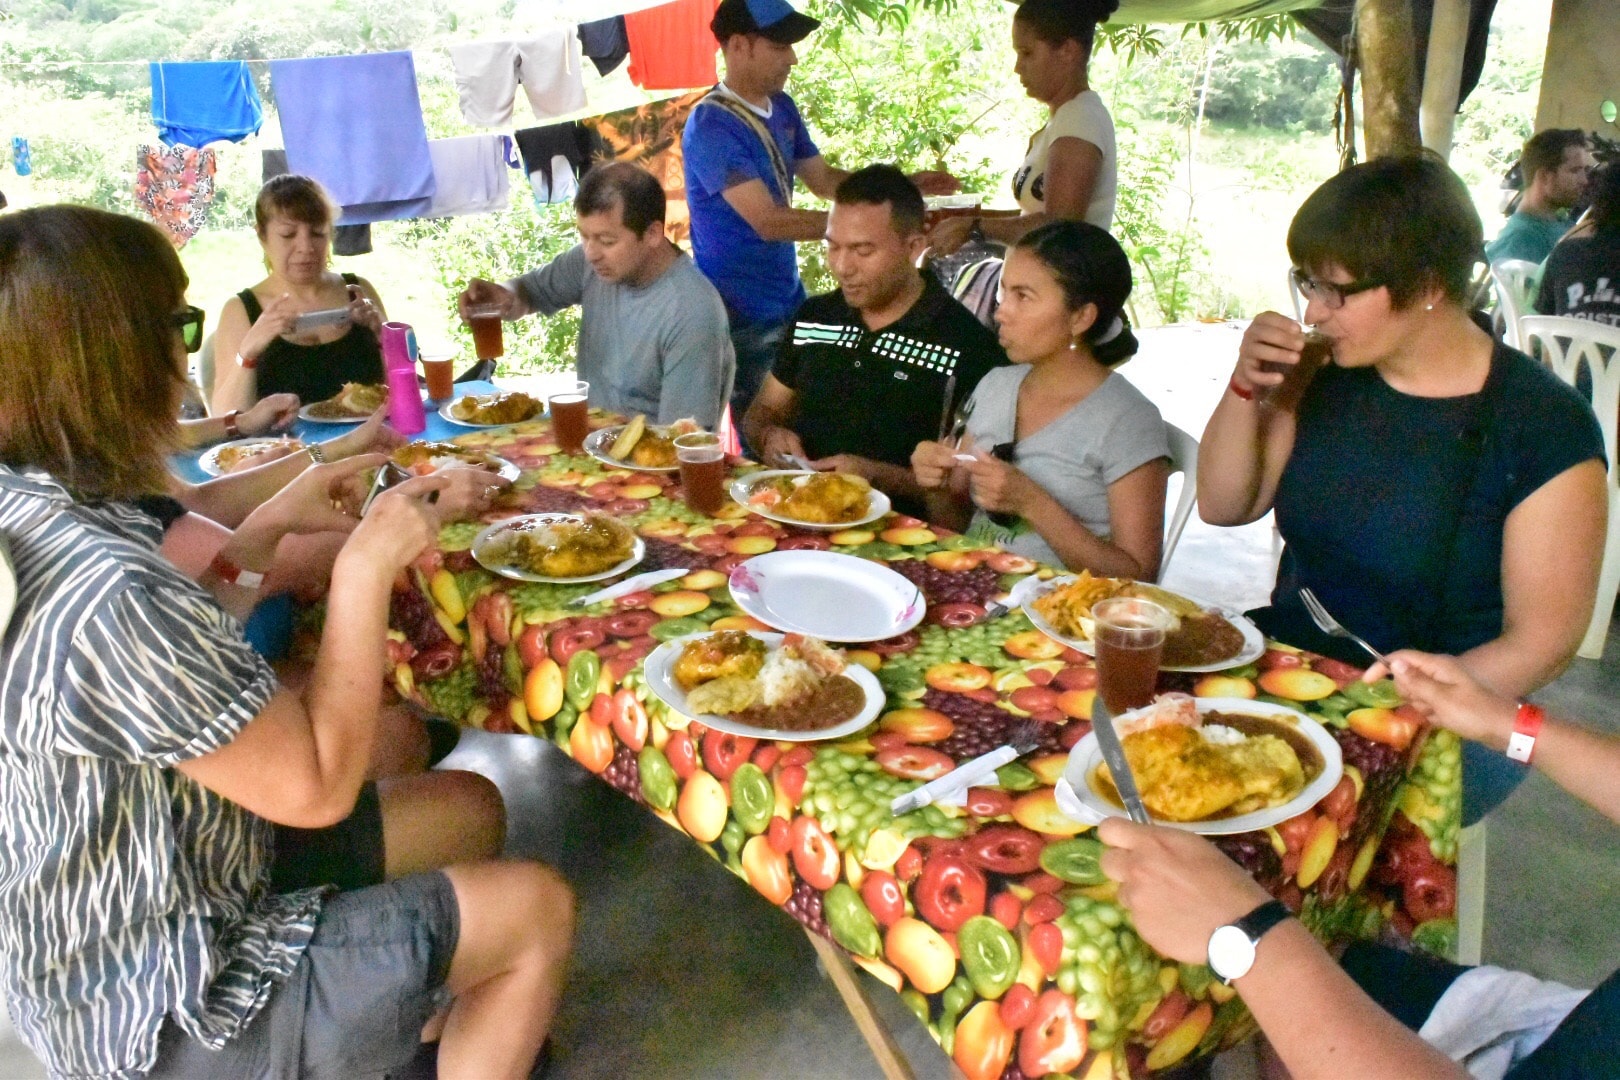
1232, 947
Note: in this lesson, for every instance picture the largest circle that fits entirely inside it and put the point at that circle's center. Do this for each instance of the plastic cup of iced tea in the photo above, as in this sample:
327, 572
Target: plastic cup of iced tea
485, 321
570, 416
1297, 376
703, 471
439, 369
1129, 637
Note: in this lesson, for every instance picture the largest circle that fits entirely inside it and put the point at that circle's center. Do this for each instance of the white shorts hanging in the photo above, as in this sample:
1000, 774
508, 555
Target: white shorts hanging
547, 66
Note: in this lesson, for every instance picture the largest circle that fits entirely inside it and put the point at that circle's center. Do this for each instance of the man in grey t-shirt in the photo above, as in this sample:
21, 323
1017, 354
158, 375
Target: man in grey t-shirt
653, 336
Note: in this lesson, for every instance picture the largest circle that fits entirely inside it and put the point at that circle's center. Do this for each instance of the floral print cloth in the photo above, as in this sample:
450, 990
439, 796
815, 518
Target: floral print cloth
174, 186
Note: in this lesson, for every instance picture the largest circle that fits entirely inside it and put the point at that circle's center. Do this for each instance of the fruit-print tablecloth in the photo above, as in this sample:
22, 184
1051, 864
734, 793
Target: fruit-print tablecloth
992, 922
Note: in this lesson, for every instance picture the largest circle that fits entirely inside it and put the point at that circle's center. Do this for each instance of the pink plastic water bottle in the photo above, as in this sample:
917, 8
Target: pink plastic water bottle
405, 413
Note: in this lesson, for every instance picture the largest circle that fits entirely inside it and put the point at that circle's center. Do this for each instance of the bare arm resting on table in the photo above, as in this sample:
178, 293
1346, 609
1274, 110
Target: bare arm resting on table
1179, 887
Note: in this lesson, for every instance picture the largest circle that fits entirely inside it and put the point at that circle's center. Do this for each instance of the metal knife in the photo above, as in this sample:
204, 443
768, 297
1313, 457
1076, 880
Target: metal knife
1113, 752
630, 585
950, 400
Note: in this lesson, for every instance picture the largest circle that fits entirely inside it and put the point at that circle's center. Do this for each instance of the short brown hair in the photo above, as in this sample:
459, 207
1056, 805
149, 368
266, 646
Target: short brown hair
634, 190
1544, 151
295, 197
87, 304
1405, 222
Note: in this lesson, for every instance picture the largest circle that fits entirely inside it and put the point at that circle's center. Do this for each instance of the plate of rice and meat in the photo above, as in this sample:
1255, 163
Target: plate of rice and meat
810, 500
562, 549
764, 686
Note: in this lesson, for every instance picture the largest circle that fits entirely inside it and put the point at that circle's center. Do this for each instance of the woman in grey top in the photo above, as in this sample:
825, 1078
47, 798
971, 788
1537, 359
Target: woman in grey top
1064, 461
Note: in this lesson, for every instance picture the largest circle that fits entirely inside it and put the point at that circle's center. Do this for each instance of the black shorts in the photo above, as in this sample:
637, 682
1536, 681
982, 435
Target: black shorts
349, 854
355, 1005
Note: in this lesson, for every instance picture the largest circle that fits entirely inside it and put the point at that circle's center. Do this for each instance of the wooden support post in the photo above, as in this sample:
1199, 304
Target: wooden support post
1442, 73
1389, 90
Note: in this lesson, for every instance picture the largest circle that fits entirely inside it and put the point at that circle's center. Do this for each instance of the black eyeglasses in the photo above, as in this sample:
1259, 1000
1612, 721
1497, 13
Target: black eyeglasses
1331, 294
189, 321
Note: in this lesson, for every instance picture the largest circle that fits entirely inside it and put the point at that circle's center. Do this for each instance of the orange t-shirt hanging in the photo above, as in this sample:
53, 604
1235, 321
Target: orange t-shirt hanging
671, 46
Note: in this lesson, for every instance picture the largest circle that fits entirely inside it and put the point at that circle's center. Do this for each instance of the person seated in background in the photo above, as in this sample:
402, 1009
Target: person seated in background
1582, 275
1383, 1012
155, 749
871, 369
653, 337
1068, 454
1434, 489
259, 348
1555, 165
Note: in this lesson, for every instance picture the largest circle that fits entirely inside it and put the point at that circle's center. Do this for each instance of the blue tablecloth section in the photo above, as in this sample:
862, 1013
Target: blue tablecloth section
185, 465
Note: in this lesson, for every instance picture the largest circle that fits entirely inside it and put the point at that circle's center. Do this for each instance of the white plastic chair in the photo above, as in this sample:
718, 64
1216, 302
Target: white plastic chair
1566, 345
1183, 460
1514, 283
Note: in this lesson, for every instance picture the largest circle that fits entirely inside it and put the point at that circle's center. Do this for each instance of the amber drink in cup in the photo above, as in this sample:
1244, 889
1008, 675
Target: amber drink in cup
485, 320
570, 416
1129, 637
1297, 377
439, 369
703, 471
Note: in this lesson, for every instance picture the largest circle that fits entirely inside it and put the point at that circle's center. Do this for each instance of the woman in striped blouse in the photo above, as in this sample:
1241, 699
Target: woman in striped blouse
146, 750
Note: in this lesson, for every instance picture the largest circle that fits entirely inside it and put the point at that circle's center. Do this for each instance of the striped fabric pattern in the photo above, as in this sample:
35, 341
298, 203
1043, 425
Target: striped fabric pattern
896, 347
128, 893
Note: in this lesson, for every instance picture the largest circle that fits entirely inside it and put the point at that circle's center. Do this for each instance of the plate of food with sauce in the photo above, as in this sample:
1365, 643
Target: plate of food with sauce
492, 410
764, 686
638, 445
562, 549
810, 500
1212, 766
350, 405
239, 454
1204, 637
427, 457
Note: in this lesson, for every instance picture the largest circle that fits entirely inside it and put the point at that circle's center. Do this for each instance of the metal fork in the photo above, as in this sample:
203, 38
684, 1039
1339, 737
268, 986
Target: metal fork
1331, 626
958, 430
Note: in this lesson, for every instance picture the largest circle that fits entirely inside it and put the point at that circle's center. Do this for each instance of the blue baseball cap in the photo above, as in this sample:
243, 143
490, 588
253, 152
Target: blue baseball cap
774, 20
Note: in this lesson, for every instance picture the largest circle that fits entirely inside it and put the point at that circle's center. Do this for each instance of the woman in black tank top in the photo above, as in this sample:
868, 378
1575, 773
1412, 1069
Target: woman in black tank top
256, 352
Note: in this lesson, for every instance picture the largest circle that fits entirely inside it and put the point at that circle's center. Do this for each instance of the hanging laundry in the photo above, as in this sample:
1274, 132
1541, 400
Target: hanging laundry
556, 156
194, 104
470, 174
650, 136
355, 124
604, 42
509, 153
22, 159
671, 46
488, 74
175, 186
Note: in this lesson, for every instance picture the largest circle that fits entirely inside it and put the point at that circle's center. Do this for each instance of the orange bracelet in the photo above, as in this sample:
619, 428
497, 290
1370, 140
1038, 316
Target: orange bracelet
1526, 727
1232, 385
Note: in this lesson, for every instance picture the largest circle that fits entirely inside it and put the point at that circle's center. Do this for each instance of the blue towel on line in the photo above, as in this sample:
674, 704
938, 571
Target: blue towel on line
194, 104
355, 124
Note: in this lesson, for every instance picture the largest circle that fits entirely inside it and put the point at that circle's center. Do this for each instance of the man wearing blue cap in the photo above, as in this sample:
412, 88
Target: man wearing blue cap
743, 146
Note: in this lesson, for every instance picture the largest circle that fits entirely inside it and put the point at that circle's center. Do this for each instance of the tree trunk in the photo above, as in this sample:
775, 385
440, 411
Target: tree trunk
1389, 85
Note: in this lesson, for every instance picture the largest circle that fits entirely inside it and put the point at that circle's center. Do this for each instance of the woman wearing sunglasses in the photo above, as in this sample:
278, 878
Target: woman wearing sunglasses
153, 750
1435, 489
1064, 461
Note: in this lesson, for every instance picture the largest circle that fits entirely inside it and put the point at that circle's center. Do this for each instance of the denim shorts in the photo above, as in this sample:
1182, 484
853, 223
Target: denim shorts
355, 1005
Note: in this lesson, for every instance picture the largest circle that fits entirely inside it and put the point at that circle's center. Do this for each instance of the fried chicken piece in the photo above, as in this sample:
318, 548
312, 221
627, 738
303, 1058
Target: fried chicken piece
728, 653
355, 399
654, 451
505, 407
569, 549
827, 499
1182, 777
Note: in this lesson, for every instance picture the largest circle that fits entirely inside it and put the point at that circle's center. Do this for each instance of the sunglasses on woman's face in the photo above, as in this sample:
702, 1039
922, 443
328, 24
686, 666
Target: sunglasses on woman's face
1331, 294
189, 321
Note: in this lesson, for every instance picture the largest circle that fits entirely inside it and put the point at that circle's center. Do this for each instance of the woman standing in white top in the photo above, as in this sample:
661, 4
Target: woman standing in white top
1069, 172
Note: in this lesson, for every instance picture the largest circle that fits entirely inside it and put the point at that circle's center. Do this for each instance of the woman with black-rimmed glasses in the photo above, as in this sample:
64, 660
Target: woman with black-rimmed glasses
1435, 489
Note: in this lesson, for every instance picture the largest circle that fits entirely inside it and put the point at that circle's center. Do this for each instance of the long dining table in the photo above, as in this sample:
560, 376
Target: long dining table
990, 920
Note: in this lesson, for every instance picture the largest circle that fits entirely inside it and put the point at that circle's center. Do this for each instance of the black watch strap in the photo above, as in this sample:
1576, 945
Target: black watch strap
1263, 918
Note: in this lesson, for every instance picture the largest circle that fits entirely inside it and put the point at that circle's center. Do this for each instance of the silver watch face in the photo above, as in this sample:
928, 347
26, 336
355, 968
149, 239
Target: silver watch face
1231, 953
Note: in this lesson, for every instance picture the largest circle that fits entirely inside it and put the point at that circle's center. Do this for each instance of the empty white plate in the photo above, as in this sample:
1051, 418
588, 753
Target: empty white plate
827, 595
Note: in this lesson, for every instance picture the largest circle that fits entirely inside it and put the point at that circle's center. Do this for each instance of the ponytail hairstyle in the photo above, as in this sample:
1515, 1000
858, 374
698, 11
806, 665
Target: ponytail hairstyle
1089, 266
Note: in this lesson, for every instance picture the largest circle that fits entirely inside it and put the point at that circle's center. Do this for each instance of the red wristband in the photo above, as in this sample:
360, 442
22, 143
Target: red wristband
1246, 395
232, 574
233, 430
1526, 726
246, 363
